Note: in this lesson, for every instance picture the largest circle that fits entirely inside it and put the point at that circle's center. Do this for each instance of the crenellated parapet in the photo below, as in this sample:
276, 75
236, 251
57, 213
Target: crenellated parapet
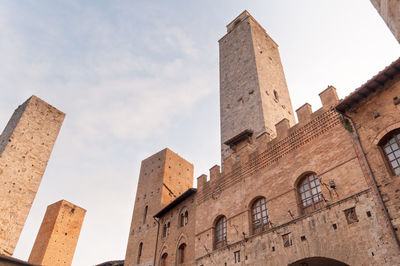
250, 154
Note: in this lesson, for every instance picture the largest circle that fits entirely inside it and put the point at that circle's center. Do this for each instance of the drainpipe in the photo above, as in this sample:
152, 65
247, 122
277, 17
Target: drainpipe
158, 231
375, 185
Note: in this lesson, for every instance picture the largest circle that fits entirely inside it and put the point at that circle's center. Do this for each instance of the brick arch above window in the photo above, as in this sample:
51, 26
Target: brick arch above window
378, 138
390, 147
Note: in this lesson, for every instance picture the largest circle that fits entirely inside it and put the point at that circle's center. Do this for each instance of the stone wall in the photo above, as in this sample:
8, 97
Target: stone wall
163, 177
271, 169
251, 82
58, 235
375, 117
326, 233
389, 10
178, 234
26, 145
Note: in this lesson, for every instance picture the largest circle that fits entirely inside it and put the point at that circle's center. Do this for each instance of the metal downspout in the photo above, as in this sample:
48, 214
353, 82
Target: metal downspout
375, 185
155, 250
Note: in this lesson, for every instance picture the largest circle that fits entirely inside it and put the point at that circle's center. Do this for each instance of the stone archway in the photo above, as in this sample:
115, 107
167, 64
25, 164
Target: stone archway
317, 261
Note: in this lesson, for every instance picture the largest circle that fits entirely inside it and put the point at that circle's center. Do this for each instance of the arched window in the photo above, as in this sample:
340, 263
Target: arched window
391, 148
181, 253
145, 214
164, 232
310, 193
183, 217
163, 261
186, 218
220, 232
139, 252
259, 214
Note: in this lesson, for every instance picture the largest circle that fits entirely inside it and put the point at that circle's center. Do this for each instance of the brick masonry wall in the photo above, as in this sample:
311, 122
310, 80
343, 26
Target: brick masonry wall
25, 147
272, 170
315, 235
58, 235
163, 177
374, 118
178, 235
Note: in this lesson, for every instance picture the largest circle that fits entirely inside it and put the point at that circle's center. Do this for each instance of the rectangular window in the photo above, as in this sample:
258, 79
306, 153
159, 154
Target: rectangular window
237, 256
351, 215
287, 241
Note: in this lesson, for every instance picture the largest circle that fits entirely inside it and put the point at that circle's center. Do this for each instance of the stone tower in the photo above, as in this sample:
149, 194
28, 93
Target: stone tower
25, 147
163, 177
58, 235
253, 91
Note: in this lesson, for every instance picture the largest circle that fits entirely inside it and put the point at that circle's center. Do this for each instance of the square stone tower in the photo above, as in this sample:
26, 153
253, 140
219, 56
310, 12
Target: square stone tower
58, 235
25, 147
253, 91
163, 177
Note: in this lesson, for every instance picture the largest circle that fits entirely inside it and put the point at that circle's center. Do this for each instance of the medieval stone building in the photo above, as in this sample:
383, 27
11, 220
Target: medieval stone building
323, 191
25, 148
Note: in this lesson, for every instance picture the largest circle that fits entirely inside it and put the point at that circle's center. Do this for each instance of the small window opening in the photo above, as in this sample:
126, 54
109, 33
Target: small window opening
163, 261
287, 241
368, 213
273, 249
164, 233
139, 252
276, 95
351, 215
181, 253
145, 213
334, 226
186, 218
303, 238
237, 256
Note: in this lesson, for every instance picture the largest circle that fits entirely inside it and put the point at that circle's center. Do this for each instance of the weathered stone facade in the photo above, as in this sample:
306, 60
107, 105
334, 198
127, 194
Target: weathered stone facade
25, 147
319, 192
163, 177
389, 10
58, 235
251, 82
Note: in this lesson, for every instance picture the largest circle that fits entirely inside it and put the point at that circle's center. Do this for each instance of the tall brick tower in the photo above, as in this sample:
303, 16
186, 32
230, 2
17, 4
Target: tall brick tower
163, 177
25, 147
253, 91
58, 235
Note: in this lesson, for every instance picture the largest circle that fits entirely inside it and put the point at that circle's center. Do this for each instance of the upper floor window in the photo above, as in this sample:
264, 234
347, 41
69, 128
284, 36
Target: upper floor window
139, 252
164, 232
145, 214
391, 148
259, 214
181, 253
220, 232
163, 261
310, 193
183, 218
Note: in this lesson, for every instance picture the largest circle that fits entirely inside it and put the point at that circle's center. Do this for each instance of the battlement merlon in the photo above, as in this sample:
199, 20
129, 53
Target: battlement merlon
246, 146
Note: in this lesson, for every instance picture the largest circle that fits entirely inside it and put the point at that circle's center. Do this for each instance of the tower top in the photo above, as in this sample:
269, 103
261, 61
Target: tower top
253, 91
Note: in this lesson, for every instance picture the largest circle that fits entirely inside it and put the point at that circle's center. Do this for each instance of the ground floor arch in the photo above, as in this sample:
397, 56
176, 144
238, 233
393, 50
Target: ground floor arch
318, 261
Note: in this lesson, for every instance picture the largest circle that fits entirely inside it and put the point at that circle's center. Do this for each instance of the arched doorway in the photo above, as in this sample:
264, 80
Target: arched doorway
317, 261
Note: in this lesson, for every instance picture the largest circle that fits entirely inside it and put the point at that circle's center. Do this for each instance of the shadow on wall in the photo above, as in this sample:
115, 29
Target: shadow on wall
318, 261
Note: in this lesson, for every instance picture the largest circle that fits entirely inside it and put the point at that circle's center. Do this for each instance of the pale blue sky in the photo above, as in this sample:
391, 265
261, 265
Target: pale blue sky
134, 77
